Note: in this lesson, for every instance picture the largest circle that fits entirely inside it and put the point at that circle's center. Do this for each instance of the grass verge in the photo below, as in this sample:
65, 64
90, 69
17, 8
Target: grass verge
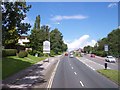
111, 74
13, 64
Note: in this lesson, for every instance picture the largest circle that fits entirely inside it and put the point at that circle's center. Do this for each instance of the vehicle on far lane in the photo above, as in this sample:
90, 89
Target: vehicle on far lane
71, 55
92, 55
110, 59
66, 54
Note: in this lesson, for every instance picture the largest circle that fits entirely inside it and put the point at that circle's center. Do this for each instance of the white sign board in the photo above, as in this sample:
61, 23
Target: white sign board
106, 47
46, 47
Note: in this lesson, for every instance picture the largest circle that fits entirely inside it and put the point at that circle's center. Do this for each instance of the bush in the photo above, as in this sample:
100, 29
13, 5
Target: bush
22, 54
30, 52
101, 53
52, 53
9, 52
40, 54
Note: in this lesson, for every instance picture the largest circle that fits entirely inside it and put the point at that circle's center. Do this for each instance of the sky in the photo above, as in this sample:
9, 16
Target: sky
81, 23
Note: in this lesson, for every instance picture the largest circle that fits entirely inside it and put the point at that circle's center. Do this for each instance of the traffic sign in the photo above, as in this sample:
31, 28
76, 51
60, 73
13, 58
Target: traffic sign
105, 47
46, 47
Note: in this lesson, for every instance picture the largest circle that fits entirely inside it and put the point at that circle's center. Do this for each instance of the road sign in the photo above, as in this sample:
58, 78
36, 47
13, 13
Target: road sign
106, 47
46, 47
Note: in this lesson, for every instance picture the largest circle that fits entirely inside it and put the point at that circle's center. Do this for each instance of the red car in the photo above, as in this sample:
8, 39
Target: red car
93, 55
66, 54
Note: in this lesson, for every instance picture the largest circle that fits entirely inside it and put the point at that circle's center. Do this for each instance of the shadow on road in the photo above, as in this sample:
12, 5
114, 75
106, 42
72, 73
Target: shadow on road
25, 78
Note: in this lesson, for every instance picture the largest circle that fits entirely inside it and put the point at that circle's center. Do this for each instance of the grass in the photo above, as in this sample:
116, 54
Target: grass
13, 64
111, 74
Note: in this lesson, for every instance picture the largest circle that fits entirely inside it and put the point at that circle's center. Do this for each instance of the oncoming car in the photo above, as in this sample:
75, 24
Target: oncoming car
71, 55
110, 59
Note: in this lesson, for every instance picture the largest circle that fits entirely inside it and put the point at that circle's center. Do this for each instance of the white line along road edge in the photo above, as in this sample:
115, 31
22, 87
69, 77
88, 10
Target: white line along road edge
52, 76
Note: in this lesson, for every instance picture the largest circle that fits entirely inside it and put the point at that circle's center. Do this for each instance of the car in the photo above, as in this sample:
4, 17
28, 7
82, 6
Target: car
110, 59
71, 55
92, 55
66, 54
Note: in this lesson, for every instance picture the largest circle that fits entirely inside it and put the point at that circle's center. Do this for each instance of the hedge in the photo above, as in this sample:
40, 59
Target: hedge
22, 54
9, 52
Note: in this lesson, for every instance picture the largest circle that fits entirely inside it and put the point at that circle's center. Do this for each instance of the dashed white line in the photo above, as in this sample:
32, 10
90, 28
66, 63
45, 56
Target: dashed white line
75, 73
81, 83
72, 67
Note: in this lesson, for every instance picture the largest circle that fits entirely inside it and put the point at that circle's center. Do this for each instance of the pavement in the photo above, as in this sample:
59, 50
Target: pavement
72, 73
100, 61
91, 64
28, 78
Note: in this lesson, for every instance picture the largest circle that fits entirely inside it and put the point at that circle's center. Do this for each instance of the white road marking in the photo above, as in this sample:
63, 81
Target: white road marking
75, 73
52, 76
70, 64
72, 67
81, 83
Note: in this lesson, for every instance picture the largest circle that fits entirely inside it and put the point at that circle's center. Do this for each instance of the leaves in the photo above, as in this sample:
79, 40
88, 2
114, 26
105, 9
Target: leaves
12, 27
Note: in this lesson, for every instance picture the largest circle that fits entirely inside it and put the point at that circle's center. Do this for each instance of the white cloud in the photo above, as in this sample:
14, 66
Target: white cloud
59, 18
80, 42
111, 5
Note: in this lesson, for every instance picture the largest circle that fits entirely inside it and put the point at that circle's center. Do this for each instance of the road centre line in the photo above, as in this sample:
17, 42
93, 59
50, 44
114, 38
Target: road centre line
75, 73
81, 83
72, 67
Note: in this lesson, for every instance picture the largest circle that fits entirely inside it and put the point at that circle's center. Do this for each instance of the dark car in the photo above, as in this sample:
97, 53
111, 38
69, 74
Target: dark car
92, 55
66, 54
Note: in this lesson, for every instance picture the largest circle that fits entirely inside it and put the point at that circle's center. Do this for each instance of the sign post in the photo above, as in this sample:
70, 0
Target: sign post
106, 49
46, 48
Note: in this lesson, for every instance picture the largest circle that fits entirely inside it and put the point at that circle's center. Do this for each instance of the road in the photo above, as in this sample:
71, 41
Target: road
71, 73
101, 61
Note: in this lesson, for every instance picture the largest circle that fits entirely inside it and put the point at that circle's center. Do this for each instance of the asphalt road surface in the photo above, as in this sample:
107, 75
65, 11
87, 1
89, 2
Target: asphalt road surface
71, 73
113, 66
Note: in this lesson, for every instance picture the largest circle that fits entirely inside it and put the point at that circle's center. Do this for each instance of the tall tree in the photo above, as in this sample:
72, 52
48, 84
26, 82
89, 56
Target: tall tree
38, 35
56, 39
13, 13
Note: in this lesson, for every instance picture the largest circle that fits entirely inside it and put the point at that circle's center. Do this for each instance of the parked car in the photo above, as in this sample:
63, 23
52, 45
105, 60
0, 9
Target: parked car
92, 55
110, 59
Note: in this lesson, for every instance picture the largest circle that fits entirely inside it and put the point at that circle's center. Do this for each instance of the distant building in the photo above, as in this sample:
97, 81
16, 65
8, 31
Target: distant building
23, 40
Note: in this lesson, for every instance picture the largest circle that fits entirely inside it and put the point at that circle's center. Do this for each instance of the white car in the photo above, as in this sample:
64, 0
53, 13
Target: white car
71, 55
110, 59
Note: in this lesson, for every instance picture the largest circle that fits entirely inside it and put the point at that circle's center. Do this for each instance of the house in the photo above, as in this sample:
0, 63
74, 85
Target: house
23, 40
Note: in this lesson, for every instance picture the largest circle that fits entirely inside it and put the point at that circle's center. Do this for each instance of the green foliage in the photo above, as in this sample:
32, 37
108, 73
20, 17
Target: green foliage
52, 53
56, 40
113, 41
22, 54
40, 54
30, 52
13, 64
39, 35
101, 53
9, 52
12, 26
88, 49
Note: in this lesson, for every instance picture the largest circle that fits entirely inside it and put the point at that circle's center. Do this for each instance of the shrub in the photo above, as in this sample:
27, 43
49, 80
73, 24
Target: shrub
30, 52
101, 53
22, 54
9, 52
40, 54
45, 55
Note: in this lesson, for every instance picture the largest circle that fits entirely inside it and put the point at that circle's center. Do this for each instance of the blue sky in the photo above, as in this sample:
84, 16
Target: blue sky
76, 20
